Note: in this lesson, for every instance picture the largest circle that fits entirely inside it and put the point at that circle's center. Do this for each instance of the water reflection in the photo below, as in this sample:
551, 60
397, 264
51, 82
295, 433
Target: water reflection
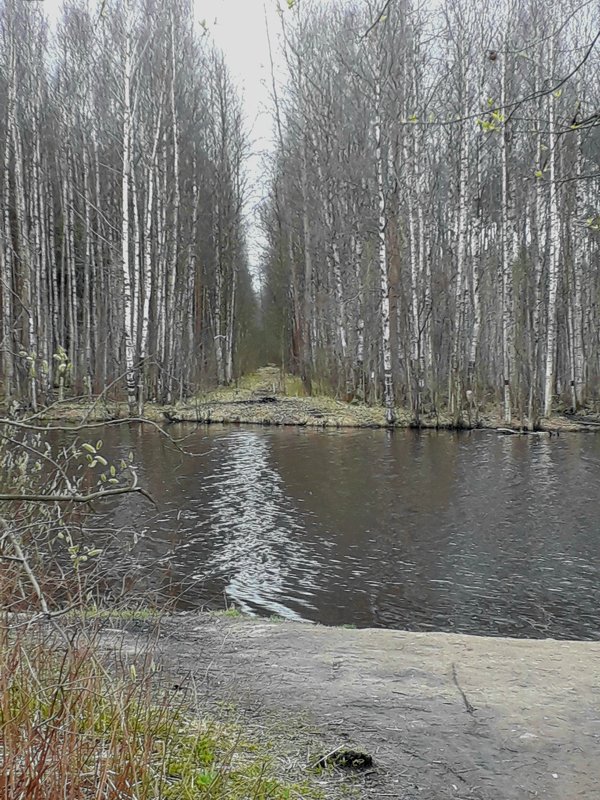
259, 530
475, 533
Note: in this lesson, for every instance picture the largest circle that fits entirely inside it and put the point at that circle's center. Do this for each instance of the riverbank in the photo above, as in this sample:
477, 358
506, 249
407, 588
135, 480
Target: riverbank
326, 412
442, 715
269, 398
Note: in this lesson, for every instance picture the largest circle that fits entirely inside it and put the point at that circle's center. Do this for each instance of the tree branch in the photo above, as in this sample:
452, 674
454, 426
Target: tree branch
75, 498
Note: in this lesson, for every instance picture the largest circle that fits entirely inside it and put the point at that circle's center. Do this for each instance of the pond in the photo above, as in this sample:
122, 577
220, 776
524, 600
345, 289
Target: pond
469, 532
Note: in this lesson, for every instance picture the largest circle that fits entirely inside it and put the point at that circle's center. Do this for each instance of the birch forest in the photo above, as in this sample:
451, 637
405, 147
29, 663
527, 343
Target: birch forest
122, 256
432, 222
429, 214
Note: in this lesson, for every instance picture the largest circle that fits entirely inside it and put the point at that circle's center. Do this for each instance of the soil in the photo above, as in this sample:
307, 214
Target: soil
441, 715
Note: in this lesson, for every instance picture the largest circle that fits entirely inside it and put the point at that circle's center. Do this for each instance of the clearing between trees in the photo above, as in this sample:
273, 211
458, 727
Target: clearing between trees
269, 396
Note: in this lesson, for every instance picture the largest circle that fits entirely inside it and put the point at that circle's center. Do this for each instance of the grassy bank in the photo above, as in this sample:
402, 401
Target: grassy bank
76, 724
269, 397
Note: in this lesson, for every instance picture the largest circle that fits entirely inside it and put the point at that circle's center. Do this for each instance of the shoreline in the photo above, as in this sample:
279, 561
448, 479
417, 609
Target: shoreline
300, 412
438, 712
269, 397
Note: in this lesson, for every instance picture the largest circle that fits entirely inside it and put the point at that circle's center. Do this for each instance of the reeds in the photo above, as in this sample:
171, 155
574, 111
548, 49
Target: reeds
77, 725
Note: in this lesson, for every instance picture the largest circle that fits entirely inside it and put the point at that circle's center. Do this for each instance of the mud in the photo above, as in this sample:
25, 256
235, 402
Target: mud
442, 715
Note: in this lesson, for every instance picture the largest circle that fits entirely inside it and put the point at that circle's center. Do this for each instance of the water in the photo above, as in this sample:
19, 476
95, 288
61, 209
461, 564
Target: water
475, 533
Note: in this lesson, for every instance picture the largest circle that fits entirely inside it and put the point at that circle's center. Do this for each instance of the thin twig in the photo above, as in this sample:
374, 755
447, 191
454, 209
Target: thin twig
469, 708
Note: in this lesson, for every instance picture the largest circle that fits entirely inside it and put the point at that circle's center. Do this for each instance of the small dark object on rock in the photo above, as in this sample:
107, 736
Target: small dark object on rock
346, 759
268, 399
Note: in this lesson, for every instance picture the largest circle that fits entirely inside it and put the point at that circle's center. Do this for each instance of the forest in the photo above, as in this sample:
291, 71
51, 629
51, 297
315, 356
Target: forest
229, 567
123, 252
429, 218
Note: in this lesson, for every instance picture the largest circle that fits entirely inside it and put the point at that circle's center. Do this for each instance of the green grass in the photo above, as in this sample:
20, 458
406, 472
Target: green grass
232, 612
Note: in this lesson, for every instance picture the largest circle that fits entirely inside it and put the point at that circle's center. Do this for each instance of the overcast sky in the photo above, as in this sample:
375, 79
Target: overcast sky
238, 27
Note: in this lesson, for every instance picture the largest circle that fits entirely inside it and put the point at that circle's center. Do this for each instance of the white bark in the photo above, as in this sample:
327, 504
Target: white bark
6, 253
508, 252
172, 268
128, 333
308, 298
87, 290
357, 248
218, 307
384, 308
553, 252
578, 347
460, 310
146, 276
24, 249
476, 246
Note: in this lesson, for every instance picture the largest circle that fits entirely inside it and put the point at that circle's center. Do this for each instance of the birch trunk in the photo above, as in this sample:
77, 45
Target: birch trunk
6, 253
553, 252
507, 257
172, 269
384, 309
461, 285
475, 284
87, 276
191, 288
412, 183
539, 223
128, 333
218, 308
146, 277
29, 343
230, 335
308, 365
71, 301
161, 272
337, 280
359, 369
578, 347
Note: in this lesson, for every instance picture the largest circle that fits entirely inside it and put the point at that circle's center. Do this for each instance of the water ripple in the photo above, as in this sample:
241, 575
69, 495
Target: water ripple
476, 533
258, 529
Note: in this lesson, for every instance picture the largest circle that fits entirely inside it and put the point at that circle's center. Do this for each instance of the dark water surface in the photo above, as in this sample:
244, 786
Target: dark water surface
477, 533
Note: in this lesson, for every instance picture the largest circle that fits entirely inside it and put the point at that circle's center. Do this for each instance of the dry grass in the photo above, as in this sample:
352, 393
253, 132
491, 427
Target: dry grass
73, 727
236, 404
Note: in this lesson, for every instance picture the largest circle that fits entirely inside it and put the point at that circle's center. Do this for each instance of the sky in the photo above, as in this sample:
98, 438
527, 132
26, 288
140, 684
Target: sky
239, 29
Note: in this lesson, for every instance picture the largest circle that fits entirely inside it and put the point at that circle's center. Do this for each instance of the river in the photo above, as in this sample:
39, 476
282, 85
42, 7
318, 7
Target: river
469, 532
